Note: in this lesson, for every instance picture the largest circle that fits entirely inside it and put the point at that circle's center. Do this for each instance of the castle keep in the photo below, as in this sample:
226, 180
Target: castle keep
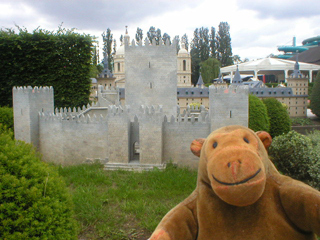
148, 131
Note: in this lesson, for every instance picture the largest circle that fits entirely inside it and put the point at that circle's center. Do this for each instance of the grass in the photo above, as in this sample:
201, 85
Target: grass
121, 204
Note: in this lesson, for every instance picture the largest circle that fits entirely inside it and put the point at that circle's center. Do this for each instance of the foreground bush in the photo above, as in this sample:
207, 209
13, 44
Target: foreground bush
34, 201
258, 115
280, 122
6, 117
293, 154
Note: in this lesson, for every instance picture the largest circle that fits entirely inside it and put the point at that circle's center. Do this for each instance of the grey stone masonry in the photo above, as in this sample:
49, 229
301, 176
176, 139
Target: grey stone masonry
151, 76
27, 103
228, 106
151, 135
118, 135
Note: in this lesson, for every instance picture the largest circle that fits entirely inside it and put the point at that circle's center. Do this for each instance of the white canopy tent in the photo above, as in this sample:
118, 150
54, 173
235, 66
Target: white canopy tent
281, 68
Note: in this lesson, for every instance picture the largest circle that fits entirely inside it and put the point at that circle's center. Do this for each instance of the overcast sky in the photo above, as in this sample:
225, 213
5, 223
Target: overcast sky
257, 27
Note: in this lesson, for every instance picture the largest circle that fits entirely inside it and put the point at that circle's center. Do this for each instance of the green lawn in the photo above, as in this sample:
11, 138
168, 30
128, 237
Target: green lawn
121, 204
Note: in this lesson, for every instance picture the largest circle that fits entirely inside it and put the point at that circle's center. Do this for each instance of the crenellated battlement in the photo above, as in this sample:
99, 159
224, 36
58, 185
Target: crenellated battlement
148, 44
33, 90
231, 89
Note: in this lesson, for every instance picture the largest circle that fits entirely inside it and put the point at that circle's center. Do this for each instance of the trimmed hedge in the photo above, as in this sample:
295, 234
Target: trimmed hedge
60, 59
34, 200
279, 118
258, 115
294, 155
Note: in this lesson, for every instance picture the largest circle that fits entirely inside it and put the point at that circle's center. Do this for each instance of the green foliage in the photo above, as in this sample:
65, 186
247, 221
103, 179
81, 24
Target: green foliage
210, 69
125, 205
315, 140
270, 85
310, 87
301, 121
315, 96
224, 49
280, 122
258, 115
293, 154
107, 48
60, 59
35, 203
6, 117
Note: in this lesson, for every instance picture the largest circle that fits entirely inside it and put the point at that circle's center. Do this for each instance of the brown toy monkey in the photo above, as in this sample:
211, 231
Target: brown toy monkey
241, 195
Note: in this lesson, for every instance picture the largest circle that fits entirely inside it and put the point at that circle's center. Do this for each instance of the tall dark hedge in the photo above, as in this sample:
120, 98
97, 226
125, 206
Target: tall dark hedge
280, 122
258, 115
60, 59
315, 96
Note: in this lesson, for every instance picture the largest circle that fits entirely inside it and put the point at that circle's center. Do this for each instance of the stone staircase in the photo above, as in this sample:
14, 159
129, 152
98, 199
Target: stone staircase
133, 166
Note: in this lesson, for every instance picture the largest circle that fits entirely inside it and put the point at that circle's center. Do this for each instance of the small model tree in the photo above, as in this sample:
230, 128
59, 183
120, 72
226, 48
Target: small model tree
280, 122
315, 96
258, 115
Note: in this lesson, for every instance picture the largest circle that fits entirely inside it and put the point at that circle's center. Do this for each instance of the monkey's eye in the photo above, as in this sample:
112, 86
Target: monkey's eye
215, 144
246, 140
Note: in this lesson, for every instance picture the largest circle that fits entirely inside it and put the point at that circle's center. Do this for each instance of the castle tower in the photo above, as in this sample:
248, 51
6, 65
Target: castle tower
184, 67
27, 103
299, 85
151, 76
228, 106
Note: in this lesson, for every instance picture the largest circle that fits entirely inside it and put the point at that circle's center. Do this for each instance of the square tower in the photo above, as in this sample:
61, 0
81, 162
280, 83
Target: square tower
151, 76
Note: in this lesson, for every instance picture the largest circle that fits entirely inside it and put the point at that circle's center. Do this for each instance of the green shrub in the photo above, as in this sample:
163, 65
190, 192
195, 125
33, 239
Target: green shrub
293, 154
34, 201
301, 121
6, 117
280, 122
315, 140
258, 115
315, 96
310, 87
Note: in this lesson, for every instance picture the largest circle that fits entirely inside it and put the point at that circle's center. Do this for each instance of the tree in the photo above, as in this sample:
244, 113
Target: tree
212, 42
165, 38
177, 40
236, 59
258, 115
200, 51
184, 39
315, 96
280, 122
224, 50
139, 35
107, 38
210, 69
154, 35
158, 36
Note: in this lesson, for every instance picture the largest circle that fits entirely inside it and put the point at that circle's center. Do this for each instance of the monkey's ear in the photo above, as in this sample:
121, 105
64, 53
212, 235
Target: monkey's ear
265, 138
196, 146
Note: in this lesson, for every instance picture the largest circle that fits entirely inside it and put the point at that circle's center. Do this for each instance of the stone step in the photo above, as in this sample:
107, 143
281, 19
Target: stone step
133, 166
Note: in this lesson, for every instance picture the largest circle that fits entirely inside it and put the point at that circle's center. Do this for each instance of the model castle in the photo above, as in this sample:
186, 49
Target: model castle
148, 131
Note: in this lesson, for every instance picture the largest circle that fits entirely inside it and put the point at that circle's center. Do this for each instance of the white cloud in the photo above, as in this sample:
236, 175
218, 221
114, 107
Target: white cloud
256, 27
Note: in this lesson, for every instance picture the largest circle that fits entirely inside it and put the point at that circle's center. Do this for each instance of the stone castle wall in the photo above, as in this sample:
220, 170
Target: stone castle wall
70, 137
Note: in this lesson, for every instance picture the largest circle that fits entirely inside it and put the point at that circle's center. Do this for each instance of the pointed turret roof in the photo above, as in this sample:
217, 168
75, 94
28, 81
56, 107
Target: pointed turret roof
237, 78
200, 82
